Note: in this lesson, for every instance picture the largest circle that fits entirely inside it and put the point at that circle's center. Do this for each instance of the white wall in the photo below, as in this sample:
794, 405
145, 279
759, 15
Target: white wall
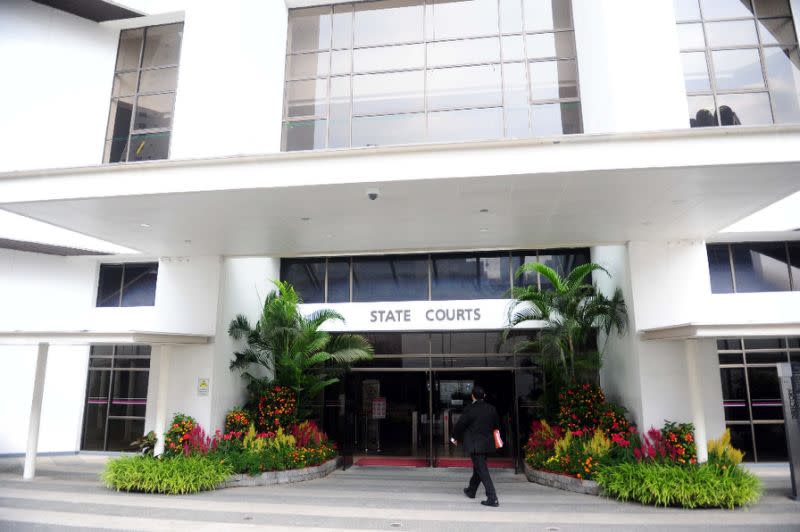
230, 87
244, 283
631, 77
57, 72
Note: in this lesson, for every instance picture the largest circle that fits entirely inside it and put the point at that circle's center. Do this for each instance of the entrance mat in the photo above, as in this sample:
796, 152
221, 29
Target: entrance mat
387, 461
494, 463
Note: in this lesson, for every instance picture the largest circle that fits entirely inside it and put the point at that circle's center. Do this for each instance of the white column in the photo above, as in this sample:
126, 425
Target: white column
161, 396
36, 412
696, 401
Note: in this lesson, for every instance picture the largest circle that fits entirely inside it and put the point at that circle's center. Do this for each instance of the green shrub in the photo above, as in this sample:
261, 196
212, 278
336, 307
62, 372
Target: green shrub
174, 475
665, 484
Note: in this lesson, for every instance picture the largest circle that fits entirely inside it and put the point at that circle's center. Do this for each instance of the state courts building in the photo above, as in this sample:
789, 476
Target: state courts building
397, 161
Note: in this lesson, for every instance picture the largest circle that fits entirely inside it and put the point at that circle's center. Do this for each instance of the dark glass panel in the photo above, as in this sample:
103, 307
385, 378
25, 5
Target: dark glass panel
702, 111
97, 387
728, 344
794, 343
399, 343
100, 362
125, 84
132, 363
765, 393
307, 276
777, 31
129, 350
158, 80
481, 276
116, 151
101, 351
121, 432
742, 439
771, 443
149, 147
462, 343
338, 280
764, 343
766, 358
526, 278
309, 29
129, 397
109, 285
130, 48
390, 278
731, 358
139, 288
395, 362
760, 267
154, 111
304, 135
554, 119
773, 8
563, 262
794, 258
734, 394
473, 362
120, 120
719, 266
94, 426
162, 45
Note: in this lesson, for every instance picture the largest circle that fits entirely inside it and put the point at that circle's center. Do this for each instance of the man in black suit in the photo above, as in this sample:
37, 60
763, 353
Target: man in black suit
476, 428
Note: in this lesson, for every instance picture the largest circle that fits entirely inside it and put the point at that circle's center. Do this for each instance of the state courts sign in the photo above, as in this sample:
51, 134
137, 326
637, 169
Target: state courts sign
483, 314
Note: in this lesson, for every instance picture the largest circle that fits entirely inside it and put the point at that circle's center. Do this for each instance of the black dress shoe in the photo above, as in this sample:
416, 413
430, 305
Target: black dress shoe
491, 502
468, 493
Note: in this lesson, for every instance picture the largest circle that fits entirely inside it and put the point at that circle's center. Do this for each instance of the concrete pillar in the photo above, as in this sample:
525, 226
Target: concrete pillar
36, 412
696, 401
161, 396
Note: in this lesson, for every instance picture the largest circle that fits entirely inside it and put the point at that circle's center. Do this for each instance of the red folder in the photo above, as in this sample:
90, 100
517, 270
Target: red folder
498, 441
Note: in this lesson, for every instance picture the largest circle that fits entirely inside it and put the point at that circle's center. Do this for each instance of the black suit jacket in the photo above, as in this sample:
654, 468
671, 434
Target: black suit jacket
476, 426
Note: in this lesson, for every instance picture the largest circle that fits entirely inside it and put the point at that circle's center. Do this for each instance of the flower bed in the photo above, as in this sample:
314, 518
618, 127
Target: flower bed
282, 477
594, 442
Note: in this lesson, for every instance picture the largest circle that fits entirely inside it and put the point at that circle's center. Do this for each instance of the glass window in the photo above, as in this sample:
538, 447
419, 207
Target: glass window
510, 16
734, 394
515, 99
748, 109
341, 62
794, 257
690, 36
388, 22
695, 72
551, 45
304, 135
563, 262
143, 68
777, 31
390, 278
513, 48
464, 87
464, 18
139, 287
526, 278
553, 79
470, 51
306, 98
686, 10
342, 26
307, 276
702, 111
764, 343
542, 15
338, 280
484, 276
760, 267
465, 125
162, 45
731, 358
388, 130
742, 439
734, 33
397, 92
772, 8
783, 74
309, 29
737, 69
719, 266
555, 119
771, 442
121, 432
721, 9
149, 147
384, 58
731, 344
308, 65
339, 113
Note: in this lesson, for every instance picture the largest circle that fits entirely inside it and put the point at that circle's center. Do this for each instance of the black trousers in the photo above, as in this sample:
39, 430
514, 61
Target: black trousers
480, 474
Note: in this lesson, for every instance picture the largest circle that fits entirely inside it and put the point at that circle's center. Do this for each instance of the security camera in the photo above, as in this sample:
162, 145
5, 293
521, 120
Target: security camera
373, 193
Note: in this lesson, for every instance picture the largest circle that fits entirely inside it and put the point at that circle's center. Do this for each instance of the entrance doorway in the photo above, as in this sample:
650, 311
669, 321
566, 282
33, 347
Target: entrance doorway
407, 417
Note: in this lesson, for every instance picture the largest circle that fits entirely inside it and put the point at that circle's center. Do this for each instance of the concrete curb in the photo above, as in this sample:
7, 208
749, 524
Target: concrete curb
282, 477
562, 482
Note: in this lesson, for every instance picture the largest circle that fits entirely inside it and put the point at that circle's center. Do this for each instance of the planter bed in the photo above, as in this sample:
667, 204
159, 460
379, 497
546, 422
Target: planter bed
282, 477
562, 482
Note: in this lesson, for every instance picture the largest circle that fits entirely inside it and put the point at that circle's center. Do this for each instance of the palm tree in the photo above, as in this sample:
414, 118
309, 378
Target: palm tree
573, 311
287, 348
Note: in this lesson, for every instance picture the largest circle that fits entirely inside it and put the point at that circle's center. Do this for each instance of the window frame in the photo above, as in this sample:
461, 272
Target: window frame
122, 283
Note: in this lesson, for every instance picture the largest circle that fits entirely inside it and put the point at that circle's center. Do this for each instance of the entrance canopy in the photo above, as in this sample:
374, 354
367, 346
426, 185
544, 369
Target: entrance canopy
44, 339
699, 331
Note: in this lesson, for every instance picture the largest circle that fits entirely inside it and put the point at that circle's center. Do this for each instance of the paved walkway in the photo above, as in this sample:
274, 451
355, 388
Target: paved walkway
66, 493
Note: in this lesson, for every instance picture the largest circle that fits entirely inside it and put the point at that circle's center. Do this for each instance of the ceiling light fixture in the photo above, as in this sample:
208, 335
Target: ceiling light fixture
484, 211
305, 219
484, 229
145, 226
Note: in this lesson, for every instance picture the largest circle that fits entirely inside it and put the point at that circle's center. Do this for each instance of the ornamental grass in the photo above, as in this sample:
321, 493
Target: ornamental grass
171, 475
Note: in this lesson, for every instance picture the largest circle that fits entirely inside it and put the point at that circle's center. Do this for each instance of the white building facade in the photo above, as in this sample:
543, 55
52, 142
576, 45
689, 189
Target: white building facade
396, 160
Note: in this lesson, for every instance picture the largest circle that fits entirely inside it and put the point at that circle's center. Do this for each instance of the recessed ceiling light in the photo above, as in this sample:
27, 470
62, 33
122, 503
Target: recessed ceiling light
484, 229
484, 210
647, 223
305, 218
145, 226
187, 241
329, 235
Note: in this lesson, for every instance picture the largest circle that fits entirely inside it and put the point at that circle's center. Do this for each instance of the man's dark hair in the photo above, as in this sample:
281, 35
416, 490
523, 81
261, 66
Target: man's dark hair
478, 393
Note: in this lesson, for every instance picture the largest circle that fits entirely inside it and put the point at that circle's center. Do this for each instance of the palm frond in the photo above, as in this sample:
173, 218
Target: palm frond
239, 327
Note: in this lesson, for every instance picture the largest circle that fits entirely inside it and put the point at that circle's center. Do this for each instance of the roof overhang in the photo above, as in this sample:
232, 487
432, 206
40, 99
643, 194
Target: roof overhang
96, 10
98, 337
700, 331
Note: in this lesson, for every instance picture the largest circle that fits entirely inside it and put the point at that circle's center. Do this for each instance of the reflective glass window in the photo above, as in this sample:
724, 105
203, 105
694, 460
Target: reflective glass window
760, 267
462, 87
130, 49
401, 57
510, 16
748, 109
125, 83
159, 80
542, 15
338, 280
734, 394
765, 393
555, 119
307, 276
702, 111
779, 31
154, 111
737, 69
149, 146
719, 266
465, 125
695, 72
162, 45
397, 278
794, 257
742, 439
732, 33
772, 8
306, 98
464, 18
304, 135
388, 22
722, 9
396, 92
464, 52
691, 36
139, 285
551, 45
388, 130
783, 74
109, 288
342, 26
470, 276
308, 65
687, 10
771, 442
513, 47
553, 79
309, 29
563, 262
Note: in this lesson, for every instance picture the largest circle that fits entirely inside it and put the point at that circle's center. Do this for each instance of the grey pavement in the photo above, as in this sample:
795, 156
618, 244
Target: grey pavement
66, 494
